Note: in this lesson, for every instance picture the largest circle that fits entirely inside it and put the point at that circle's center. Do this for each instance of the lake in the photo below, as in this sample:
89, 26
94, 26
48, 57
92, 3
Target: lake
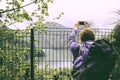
56, 58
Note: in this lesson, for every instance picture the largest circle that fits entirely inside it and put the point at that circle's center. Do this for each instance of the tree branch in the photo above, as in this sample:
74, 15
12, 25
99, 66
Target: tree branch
16, 8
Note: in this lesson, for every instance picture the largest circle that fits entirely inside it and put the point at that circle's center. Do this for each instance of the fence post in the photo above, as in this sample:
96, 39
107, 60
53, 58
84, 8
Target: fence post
32, 54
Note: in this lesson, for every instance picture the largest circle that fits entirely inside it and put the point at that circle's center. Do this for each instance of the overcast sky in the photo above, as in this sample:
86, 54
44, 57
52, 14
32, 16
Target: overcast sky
99, 12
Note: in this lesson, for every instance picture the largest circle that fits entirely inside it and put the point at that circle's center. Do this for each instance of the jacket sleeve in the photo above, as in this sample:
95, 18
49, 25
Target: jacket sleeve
73, 45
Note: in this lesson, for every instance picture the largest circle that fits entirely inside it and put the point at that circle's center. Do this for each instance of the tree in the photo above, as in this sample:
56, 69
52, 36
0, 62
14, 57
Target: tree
116, 43
117, 19
13, 48
14, 12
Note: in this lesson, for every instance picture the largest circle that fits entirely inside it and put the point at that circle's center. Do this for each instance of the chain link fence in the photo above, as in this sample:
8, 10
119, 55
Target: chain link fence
39, 55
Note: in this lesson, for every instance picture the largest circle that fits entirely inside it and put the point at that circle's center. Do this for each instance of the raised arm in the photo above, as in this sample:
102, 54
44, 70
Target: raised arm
72, 43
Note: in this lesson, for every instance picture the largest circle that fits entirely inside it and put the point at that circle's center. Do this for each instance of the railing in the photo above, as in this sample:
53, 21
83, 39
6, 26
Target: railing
36, 55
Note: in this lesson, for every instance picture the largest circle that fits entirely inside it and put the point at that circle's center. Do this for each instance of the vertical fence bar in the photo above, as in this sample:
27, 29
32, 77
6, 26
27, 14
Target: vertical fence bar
32, 54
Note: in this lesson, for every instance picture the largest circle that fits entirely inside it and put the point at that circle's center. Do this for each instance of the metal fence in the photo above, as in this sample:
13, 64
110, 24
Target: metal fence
37, 55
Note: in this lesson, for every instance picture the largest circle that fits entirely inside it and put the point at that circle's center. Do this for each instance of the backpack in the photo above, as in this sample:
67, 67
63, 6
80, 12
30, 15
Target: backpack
98, 64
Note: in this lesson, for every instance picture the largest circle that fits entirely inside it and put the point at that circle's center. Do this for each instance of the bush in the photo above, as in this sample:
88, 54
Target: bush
116, 43
52, 74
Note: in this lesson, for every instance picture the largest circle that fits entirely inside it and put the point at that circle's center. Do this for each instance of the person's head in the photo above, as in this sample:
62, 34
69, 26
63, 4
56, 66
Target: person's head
87, 34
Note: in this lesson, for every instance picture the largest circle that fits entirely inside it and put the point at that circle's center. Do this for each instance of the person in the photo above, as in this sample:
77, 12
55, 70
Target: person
87, 38
92, 60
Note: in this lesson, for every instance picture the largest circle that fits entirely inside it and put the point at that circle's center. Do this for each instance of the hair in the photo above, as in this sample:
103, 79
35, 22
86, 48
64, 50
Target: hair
87, 34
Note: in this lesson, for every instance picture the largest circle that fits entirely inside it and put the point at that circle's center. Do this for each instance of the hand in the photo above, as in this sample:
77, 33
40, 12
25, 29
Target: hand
76, 26
87, 25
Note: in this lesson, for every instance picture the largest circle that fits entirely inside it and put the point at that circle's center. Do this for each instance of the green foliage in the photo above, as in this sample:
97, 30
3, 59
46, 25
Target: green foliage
53, 74
59, 16
15, 11
13, 55
116, 36
14, 50
116, 43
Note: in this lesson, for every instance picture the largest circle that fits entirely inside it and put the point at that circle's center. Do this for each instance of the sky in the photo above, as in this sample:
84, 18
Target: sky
101, 13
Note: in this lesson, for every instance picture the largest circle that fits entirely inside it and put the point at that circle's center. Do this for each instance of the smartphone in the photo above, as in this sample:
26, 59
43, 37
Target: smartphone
81, 22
